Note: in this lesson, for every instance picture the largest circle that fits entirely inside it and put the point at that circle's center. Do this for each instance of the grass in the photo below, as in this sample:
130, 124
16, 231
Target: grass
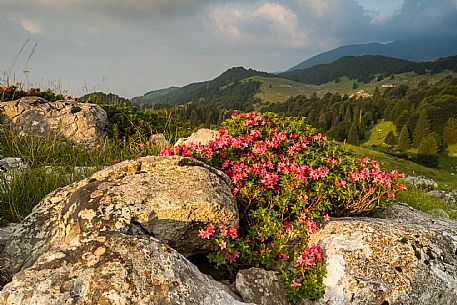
379, 133
52, 163
419, 199
277, 90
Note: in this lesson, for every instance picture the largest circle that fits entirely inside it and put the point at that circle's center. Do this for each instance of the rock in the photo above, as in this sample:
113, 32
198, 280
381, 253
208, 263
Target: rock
202, 136
169, 198
114, 268
159, 140
260, 287
9, 168
405, 257
450, 197
77, 122
421, 182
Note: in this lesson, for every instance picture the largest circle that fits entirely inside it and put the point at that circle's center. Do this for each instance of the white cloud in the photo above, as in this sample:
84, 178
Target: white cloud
265, 25
31, 26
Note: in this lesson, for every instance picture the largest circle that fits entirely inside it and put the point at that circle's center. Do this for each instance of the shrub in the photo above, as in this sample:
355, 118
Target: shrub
10, 93
287, 180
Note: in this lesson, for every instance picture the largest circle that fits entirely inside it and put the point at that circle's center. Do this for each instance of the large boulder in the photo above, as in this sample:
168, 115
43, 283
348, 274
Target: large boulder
168, 198
114, 268
403, 256
77, 122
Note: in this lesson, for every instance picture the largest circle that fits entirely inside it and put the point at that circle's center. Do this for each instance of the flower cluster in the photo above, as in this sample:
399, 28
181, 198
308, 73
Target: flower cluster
287, 179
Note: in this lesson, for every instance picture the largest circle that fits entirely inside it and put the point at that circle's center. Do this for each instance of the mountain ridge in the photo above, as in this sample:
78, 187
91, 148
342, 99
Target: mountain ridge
417, 49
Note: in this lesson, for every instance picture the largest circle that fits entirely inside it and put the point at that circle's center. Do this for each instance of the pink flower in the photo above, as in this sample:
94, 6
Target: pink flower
206, 234
391, 195
223, 229
326, 217
223, 245
295, 284
233, 232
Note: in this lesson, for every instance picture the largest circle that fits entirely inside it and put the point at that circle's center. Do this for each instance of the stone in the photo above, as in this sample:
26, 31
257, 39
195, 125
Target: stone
450, 197
159, 140
78, 122
404, 257
114, 268
9, 168
169, 198
401, 257
259, 286
202, 136
421, 182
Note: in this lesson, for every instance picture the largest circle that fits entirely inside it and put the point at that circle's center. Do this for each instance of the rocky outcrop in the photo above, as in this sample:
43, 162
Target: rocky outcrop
402, 257
421, 182
77, 122
202, 136
169, 198
114, 268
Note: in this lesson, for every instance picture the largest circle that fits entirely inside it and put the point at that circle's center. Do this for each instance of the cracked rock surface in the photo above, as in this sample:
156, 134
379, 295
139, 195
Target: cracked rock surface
106, 239
78, 122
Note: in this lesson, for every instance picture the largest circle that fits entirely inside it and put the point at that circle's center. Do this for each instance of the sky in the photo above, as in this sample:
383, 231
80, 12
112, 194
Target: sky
131, 47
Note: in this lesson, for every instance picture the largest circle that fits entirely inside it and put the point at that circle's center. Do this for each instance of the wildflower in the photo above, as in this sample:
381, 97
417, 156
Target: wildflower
233, 232
326, 217
295, 284
223, 245
223, 229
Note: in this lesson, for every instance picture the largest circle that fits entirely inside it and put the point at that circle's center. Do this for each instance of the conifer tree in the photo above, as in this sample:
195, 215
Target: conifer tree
353, 136
450, 132
390, 138
427, 152
422, 129
404, 142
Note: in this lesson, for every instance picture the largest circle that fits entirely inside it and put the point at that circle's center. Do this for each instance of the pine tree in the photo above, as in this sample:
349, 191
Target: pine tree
402, 119
422, 129
353, 136
427, 152
404, 142
390, 138
450, 132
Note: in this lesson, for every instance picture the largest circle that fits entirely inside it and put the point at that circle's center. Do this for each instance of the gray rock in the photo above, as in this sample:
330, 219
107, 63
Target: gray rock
159, 140
450, 197
114, 268
77, 122
9, 168
260, 287
202, 136
166, 197
407, 257
421, 182
404, 257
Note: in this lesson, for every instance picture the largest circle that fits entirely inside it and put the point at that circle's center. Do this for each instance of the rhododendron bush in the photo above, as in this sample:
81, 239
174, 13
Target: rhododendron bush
288, 179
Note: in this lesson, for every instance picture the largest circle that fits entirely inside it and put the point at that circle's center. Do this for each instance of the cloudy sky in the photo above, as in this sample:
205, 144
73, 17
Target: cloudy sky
130, 47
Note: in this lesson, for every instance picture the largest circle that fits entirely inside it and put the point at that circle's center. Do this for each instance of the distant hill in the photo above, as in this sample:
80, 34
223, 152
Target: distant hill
103, 98
226, 88
414, 49
366, 68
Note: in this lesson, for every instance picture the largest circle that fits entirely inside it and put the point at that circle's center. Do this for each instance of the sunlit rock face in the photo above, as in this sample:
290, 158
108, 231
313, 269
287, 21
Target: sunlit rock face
82, 123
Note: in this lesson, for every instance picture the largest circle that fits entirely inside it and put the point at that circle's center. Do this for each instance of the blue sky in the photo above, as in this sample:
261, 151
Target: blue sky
130, 47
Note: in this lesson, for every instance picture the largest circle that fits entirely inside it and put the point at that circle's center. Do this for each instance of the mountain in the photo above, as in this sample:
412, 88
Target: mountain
413, 49
226, 88
366, 68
